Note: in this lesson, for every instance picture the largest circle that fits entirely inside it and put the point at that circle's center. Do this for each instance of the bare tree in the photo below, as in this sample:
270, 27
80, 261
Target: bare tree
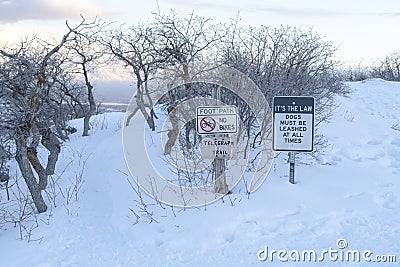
87, 55
181, 42
389, 68
285, 61
30, 81
134, 48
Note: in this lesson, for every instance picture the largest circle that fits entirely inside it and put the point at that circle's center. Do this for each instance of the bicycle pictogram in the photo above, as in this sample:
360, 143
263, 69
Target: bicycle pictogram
207, 124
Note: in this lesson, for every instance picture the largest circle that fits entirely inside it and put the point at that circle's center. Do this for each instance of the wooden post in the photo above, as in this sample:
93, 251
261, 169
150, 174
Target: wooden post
220, 177
219, 164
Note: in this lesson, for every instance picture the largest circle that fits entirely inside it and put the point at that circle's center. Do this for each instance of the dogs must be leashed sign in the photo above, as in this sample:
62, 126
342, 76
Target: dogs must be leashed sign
293, 123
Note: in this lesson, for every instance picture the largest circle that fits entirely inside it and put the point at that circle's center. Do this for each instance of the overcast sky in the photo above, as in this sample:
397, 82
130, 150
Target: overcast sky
364, 30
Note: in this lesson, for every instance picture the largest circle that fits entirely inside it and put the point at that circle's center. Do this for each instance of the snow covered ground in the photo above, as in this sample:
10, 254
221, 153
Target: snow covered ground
352, 194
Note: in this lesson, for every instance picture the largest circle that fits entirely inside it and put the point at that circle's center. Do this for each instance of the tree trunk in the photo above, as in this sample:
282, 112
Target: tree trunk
173, 133
186, 76
188, 128
148, 118
24, 165
52, 144
141, 104
86, 121
92, 104
37, 166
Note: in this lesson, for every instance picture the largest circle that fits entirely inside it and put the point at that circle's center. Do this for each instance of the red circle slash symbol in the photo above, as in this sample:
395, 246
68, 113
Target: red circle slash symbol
207, 124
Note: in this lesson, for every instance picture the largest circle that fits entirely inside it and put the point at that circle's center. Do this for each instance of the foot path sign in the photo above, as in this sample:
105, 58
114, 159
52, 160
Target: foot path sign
216, 119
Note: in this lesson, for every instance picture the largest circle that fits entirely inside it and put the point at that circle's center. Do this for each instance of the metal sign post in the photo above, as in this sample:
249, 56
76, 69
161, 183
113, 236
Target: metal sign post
293, 126
292, 159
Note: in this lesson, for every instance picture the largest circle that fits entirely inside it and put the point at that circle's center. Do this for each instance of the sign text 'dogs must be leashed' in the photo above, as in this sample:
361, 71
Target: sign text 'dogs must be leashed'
293, 123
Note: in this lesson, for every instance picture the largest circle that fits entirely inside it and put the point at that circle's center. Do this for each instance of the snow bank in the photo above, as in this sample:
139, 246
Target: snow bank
353, 194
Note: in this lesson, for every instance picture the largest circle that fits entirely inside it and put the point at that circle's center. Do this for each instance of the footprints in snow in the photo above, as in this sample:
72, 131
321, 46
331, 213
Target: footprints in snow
383, 150
388, 200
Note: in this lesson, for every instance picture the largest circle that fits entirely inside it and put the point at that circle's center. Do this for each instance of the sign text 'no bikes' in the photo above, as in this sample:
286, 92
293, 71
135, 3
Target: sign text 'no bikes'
216, 119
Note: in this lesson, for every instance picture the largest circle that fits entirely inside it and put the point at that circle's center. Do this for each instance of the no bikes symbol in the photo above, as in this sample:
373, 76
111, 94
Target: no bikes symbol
207, 124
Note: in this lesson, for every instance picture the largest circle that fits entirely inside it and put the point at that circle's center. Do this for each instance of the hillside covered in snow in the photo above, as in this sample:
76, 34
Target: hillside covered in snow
348, 200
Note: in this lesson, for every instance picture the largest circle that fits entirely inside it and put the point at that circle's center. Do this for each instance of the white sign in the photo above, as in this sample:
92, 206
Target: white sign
293, 119
218, 146
216, 119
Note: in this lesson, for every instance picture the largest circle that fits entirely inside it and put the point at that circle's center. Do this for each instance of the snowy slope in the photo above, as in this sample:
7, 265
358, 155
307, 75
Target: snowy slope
353, 194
